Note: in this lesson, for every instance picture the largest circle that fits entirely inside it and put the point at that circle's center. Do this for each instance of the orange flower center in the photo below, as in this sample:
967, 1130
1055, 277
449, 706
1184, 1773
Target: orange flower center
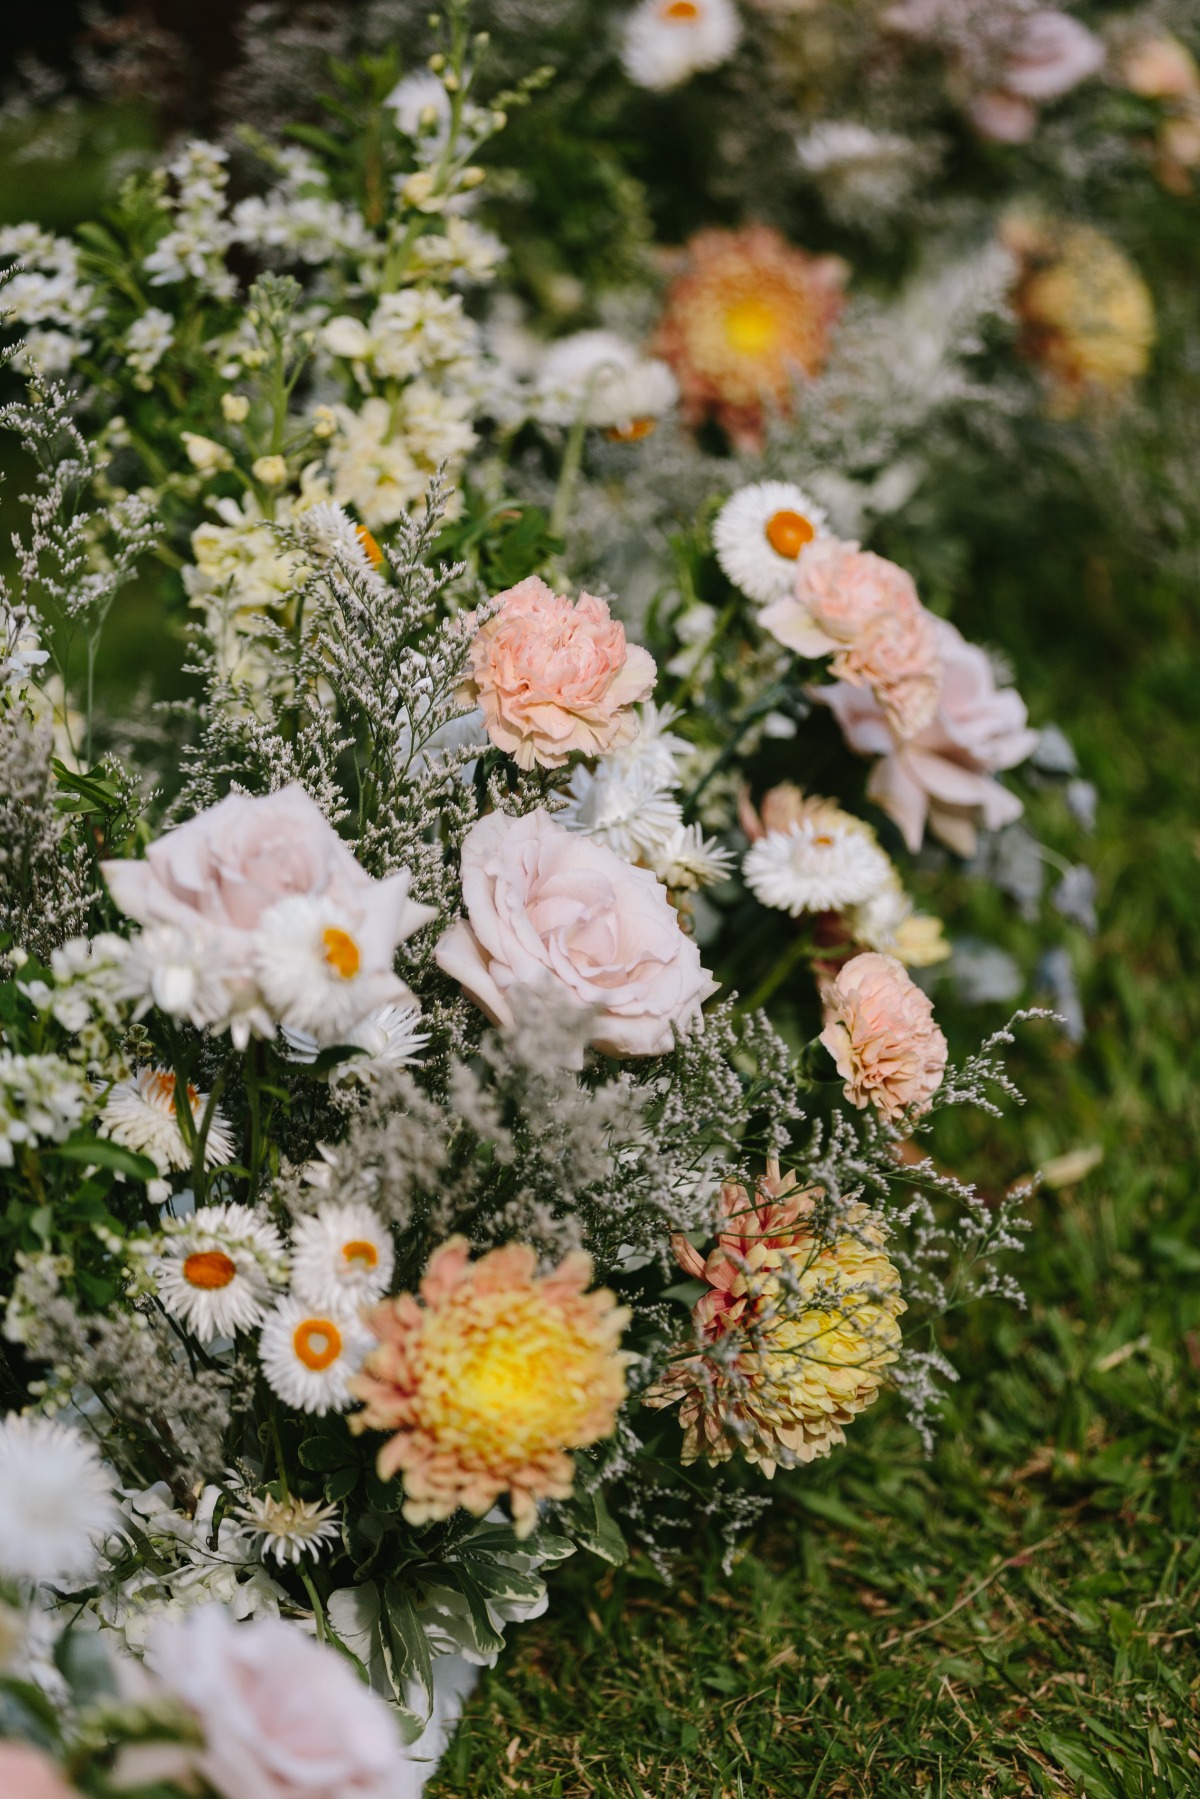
209, 1269
751, 327
681, 12
823, 843
631, 433
374, 553
361, 1252
788, 532
317, 1342
341, 952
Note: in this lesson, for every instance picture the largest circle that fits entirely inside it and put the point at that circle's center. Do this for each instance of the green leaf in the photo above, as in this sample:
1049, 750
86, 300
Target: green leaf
405, 1645
323, 1454
596, 1528
98, 1152
340, 1484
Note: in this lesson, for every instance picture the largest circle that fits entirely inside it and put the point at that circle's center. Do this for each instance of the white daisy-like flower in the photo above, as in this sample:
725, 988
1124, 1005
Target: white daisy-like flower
389, 1038
56, 1501
217, 1268
606, 378
691, 860
666, 41
308, 1354
289, 1529
815, 866
623, 805
332, 535
140, 1113
759, 535
342, 1256
323, 971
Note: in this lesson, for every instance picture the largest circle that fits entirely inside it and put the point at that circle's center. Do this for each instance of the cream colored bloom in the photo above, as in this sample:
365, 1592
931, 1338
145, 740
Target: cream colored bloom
490, 1379
881, 1034
667, 41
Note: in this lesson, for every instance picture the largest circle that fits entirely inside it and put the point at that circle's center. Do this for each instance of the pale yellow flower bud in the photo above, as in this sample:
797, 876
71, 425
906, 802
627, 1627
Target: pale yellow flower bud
272, 471
235, 408
324, 421
208, 457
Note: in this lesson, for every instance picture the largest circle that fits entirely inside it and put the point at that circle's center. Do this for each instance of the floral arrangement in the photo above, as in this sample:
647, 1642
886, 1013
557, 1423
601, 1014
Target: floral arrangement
509, 910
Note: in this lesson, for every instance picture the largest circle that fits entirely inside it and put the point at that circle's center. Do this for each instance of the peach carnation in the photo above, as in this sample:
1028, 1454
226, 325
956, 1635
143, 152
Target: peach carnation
747, 319
881, 1034
489, 1379
864, 611
552, 676
795, 1330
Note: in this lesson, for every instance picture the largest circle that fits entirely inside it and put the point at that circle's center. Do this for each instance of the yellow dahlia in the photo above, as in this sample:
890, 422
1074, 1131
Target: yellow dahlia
747, 319
795, 1331
489, 1378
1086, 315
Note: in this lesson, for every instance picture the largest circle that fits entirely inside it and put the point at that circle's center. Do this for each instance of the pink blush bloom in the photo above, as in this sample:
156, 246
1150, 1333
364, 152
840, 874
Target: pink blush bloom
1051, 55
551, 677
548, 908
943, 776
25, 1773
881, 1034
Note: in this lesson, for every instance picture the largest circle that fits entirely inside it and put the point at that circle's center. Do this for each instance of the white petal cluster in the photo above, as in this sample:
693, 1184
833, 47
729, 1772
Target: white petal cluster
629, 801
48, 298
289, 1529
42, 1100
601, 377
56, 1501
201, 232
416, 331
216, 1269
760, 533
300, 217
668, 41
816, 866
148, 339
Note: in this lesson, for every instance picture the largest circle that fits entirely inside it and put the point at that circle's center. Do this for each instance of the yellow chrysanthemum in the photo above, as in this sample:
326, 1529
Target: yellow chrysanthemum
490, 1379
748, 318
802, 1332
1087, 316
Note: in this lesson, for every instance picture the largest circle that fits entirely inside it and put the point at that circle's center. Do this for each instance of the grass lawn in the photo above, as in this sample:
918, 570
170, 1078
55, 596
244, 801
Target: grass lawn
1017, 1614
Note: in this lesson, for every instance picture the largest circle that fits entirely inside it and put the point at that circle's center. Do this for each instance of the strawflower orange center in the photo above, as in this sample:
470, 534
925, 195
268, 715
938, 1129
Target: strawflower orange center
631, 433
209, 1269
788, 532
341, 952
373, 552
361, 1252
317, 1342
681, 12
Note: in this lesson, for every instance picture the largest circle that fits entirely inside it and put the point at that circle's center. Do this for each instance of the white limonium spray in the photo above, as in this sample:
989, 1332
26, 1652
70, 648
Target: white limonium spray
816, 866
668, 41
216, 1269
760, 534
56, 1501
309, 1354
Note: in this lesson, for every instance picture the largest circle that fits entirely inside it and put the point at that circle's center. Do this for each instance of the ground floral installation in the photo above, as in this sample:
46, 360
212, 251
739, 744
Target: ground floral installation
464, 1069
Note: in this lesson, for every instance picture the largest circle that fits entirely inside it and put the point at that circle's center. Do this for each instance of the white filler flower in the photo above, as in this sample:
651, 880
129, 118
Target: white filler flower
342, 1256
759, 535
309, 1355
815, 867
666, 41
216, 1270
56, 1501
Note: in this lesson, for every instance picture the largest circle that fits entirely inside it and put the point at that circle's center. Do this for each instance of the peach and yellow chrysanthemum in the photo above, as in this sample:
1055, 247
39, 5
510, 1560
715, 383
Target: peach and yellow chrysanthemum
489, 1378
748, 318
795, 1331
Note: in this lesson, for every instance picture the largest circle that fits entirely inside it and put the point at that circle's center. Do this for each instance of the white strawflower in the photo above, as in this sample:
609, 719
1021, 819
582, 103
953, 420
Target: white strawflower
815, 866
216, 1270
289, 1529
389, 1038
323, 971
759, 534
624, 806
606, 379
141, 1114
690, 860
342, 1256
666, 41
56, 1501
308, 1354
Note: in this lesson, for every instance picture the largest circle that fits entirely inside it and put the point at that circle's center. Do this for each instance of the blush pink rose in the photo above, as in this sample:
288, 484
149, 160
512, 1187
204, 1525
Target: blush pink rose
942, 776
551, 676
1051, 54
25, 1773
550, 909
863, 610
220, 876
283, 1717
881, 1034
